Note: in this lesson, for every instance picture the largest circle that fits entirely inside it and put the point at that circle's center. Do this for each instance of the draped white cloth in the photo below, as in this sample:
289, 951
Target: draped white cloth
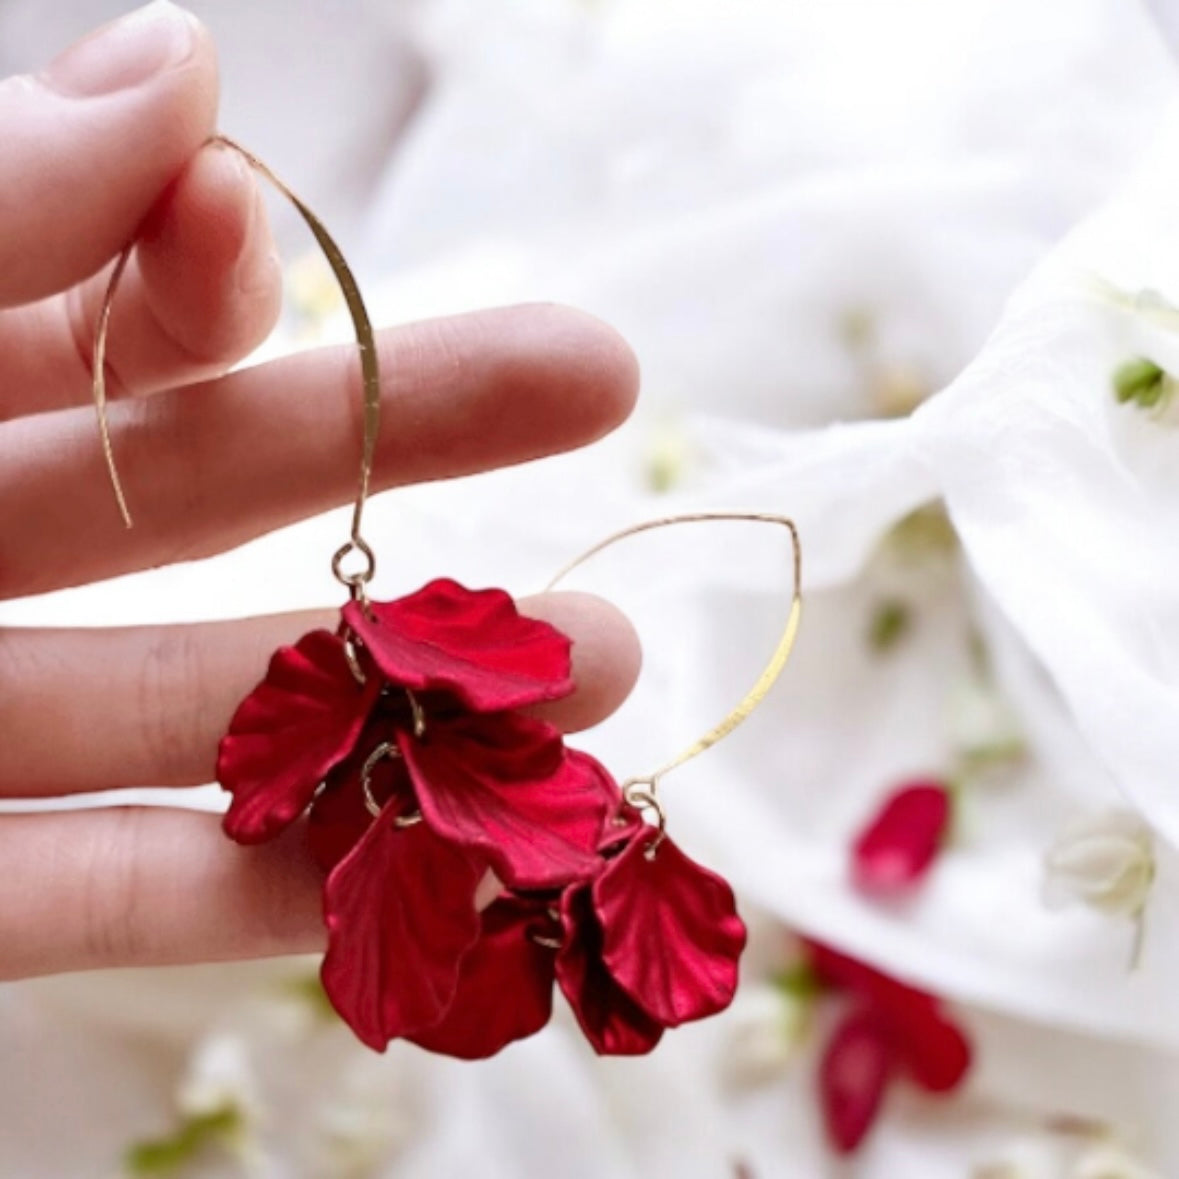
990, 185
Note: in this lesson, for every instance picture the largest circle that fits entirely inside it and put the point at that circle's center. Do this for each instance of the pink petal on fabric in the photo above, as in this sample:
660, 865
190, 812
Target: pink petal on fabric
853, 1075
339, 818
671, 936
301, 720
505, 990
897, 849
473, 643
400, 913
504, 785
613, 1023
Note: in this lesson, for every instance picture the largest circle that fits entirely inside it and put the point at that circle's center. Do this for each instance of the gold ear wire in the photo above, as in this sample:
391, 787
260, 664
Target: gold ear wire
369, 364
641, 791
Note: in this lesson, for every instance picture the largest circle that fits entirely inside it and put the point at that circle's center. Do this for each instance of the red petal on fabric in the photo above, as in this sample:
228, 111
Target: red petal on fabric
897, 849
936, 1053
613, 1023
400, 913
473, 643
505, 786
339, 817
301, 720
505, 990
853, 1076
933, 1049
671, 937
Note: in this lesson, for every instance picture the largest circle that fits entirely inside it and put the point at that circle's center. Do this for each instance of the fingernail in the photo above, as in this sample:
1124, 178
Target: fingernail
125, 53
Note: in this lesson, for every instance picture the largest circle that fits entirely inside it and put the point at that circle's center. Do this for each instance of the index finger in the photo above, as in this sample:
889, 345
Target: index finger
212, 466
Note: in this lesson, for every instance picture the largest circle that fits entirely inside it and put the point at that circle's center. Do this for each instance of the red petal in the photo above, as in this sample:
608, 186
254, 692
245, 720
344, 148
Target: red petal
473, 643
505, 990
505, 786
612, 1021
934, 1050
339, 818
400, 913
302, 720
671, 936
853, 1075
898, 848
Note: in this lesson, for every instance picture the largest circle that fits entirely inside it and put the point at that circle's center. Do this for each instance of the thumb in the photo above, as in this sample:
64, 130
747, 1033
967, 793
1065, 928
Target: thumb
87, 145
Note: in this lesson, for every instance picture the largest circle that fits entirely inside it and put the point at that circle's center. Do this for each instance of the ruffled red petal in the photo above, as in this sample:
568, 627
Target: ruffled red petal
472, 643
853, 1075
302, 720
505, 786
400, 913
897, 849
613, 1023
505, 990
671, 936
338, 818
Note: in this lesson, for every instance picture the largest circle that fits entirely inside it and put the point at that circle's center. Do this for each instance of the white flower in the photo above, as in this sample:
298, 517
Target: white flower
220, 1077
365, 1121
1110, 1161
765, 1027
1105, 861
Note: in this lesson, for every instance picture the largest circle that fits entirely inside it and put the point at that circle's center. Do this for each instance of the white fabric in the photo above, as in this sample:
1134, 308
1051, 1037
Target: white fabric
728, 186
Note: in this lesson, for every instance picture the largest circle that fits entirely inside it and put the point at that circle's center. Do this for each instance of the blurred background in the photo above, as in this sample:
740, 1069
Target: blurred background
808, 220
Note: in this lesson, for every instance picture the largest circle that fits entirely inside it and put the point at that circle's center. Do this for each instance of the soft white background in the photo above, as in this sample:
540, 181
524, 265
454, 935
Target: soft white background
728, 183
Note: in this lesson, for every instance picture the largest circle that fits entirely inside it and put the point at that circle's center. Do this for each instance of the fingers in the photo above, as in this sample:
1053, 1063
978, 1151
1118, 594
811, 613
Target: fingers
95, 709
113, 887
127, 886
90, 143
211, 466
201, 291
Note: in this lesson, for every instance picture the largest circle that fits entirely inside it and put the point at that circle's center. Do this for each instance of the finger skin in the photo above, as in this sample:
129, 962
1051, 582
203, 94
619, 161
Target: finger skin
79, 174
128, 886
201, 291
85, 710
211, 466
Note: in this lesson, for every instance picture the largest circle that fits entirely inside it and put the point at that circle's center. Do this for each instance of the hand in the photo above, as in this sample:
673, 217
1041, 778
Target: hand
106, 146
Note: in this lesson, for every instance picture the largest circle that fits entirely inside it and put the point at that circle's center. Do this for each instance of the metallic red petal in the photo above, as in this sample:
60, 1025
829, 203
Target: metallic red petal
853, 1075
400, 913
302, 720
671, 936
472, 643
505, 786
505, 990
897, 849
613, 1023
338, 817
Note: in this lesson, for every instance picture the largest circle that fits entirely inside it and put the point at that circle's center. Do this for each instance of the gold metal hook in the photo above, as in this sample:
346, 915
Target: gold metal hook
369, 364
647, 797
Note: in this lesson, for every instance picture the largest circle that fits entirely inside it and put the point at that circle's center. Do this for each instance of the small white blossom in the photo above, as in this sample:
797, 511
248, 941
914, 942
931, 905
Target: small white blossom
1110, 1161
219, 1077
364, 1123
1105, 861
765, 1027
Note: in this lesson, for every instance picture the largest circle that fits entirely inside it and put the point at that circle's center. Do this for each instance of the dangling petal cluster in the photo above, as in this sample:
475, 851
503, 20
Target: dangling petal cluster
402, 739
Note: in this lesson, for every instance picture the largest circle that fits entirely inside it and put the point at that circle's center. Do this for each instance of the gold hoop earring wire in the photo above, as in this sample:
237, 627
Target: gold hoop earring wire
356, 580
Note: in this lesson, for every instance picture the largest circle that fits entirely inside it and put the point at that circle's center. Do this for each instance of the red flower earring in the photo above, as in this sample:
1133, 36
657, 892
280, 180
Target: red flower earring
427, 789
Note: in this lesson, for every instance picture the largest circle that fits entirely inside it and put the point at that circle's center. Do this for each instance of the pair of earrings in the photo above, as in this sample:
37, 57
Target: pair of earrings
473, 862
